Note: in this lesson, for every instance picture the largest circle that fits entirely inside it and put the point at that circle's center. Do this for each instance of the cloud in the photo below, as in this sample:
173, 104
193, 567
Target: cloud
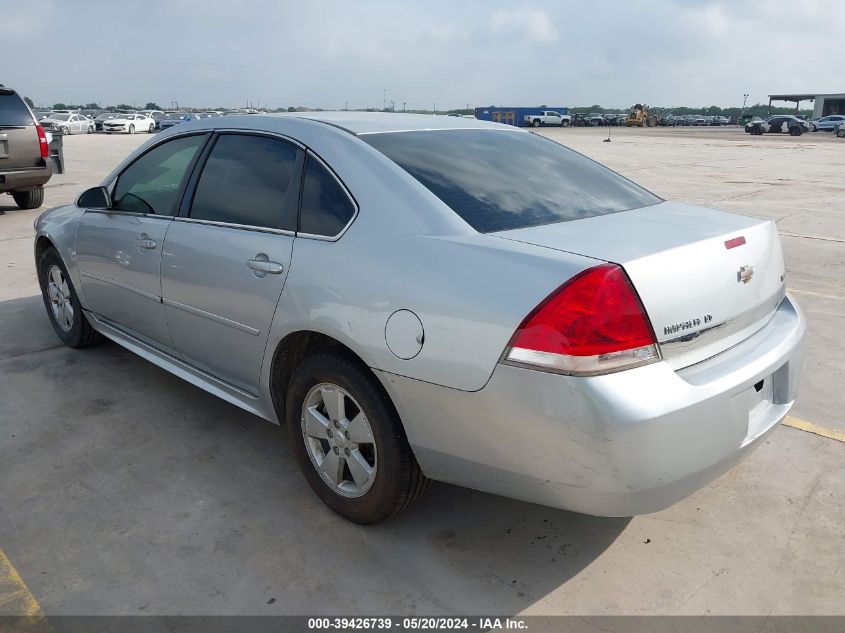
326, 53
533, 25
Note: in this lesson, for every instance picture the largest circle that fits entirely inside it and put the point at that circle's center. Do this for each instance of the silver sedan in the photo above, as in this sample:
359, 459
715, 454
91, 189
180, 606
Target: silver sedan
422, 298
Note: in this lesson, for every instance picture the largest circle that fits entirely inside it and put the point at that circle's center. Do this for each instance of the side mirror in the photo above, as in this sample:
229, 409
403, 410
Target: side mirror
95, 198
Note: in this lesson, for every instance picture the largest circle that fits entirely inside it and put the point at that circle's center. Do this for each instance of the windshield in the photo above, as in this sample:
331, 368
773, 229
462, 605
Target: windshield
176, 115
501, 180
60, 117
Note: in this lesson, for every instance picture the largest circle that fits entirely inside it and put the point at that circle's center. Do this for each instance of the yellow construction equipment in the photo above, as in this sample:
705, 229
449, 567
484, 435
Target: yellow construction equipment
640, 116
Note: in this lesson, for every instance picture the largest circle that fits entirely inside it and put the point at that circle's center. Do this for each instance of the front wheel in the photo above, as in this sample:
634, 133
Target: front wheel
536, 123
564, 123
132, 129
65, 131
795, 131
840, 133
152, 128
349, 441
90, 129
63, 307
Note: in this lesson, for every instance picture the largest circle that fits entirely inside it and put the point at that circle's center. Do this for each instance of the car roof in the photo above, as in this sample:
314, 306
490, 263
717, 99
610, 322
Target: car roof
375, 122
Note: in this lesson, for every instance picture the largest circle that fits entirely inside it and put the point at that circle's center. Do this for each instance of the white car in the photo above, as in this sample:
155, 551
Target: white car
68, 123
839, 130
129, 124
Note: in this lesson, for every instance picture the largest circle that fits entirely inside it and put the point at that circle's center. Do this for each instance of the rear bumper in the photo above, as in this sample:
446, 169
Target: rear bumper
620, 444
25, 178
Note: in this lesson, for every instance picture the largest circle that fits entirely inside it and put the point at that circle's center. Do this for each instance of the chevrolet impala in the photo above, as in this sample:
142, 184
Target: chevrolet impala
424, 298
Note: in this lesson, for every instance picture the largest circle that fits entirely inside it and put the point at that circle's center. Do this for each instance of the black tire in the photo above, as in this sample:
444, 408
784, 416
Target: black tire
29, 199
399, 483
81, 334
813, 127
65, 131
564, 123
536, 123
840, 133
795, 131
131, 129
90, 129
152, 128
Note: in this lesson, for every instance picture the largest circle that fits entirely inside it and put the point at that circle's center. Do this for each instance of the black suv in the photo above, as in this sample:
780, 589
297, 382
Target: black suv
25, 163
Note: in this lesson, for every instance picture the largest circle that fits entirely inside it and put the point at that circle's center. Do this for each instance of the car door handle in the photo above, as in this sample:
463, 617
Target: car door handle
265, 266
145, 242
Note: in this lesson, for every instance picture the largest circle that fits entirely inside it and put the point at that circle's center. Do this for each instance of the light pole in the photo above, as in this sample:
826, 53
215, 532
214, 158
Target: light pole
742, 114
384, 98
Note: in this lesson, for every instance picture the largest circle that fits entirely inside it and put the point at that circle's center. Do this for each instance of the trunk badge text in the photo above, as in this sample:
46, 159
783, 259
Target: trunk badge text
692, 324
745, 274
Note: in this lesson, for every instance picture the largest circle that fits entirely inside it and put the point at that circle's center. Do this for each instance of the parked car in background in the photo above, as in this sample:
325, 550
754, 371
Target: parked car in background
840, 130
564, 344
175, 118
129, 124
699, 120
25, 164
547, 117
102, 118
68, 123
826, 123
208, 115
778, 124
91, 114
155, 115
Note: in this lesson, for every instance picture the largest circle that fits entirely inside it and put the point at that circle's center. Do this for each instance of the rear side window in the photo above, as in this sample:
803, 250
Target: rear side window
326, 208
248, 180
13, 110
501, 180
153, 182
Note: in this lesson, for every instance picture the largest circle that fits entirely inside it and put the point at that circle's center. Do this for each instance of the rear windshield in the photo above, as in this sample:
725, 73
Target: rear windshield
501, 180
13, 110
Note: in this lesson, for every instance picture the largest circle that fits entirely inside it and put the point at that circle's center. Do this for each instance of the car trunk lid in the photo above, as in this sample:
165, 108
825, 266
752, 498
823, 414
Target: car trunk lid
708, 279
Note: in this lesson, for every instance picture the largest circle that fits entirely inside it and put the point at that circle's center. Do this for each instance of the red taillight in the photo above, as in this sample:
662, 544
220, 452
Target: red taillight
737, 241
42, 141
594, 323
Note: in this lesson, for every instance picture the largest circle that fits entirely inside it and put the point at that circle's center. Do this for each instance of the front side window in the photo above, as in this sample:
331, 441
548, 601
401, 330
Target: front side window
501, 180
249, 180
153, 182
326, 208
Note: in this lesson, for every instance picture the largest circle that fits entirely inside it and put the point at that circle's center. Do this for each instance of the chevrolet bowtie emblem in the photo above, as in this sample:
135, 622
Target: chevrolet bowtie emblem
745, 274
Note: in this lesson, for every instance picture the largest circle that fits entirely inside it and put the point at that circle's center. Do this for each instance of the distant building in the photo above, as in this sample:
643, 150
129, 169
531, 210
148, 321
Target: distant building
824, 104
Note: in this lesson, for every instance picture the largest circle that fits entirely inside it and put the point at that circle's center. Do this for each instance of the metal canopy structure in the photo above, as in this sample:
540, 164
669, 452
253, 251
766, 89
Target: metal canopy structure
797, 99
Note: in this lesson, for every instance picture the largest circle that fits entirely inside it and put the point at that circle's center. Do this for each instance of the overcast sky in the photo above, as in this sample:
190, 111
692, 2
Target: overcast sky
449, 52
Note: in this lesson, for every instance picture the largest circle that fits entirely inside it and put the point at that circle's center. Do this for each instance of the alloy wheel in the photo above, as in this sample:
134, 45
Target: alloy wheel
339, 440
58, 293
